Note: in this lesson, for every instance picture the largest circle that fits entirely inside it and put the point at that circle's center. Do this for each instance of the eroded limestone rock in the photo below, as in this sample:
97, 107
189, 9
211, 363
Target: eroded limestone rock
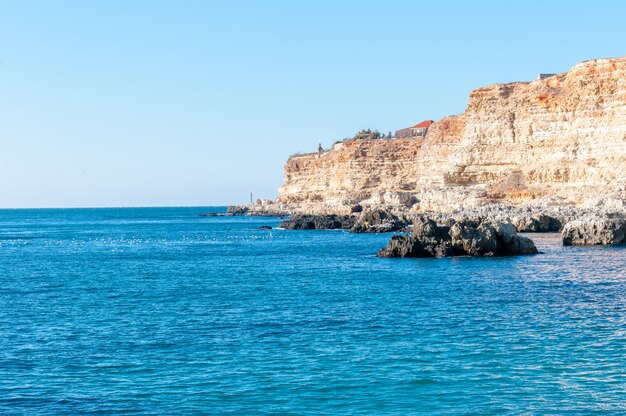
559, 138
595, 231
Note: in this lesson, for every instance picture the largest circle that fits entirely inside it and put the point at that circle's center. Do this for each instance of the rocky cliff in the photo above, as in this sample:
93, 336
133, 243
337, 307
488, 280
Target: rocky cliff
355, 171
560, 138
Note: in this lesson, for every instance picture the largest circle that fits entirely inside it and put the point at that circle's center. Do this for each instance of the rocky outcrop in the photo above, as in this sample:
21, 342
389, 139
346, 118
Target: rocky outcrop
428, 239
562, 137
595, 231
318, 222
543, 215
369, 221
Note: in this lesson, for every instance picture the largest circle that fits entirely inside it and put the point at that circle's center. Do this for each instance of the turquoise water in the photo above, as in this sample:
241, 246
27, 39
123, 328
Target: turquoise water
160, 311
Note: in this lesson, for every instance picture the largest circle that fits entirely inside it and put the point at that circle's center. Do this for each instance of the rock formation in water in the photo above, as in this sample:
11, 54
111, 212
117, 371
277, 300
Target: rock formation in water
562, 138
318, 222
428, 239
370, 221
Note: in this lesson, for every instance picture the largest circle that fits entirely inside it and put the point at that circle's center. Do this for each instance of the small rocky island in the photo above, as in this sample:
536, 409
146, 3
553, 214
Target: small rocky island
464, 238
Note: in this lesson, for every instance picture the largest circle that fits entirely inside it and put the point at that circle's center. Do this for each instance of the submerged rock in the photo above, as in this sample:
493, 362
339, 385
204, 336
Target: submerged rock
595, 231
428, 239
265, 227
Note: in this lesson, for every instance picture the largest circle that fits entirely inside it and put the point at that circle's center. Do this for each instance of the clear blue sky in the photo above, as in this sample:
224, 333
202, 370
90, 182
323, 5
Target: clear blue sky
149, 103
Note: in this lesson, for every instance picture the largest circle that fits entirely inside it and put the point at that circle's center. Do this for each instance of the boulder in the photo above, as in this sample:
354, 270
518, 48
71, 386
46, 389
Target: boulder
511, 243
595, 231
472, 239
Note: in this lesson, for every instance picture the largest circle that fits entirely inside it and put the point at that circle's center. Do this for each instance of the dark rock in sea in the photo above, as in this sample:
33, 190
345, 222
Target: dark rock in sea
319, 222
473, 239
265, 227
595, 231
427, 239
379, 221
467, 237
371, 221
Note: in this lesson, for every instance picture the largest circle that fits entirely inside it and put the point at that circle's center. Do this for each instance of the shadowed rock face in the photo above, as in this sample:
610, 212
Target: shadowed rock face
428, 239
595, 231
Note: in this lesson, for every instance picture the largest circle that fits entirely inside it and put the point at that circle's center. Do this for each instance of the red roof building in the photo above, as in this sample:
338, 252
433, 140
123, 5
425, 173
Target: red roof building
423, 125
418, 130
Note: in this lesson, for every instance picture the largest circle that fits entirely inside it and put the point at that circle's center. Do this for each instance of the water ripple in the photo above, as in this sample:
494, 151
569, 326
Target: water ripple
159, 311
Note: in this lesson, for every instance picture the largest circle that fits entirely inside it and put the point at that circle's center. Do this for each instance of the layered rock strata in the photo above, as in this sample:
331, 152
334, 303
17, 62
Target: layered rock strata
368, 172
560, 137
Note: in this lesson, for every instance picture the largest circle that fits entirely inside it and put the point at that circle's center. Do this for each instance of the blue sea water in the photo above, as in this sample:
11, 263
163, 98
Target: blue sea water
161, 311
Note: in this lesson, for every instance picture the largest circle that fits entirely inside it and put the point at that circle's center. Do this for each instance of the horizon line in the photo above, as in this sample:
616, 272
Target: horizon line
118, 207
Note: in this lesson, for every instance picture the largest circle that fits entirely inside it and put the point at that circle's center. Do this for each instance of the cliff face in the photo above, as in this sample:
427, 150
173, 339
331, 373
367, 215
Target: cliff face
562, 137
369, 172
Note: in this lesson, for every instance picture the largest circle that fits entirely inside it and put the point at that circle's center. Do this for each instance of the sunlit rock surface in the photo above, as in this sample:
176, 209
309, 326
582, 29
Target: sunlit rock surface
563, 137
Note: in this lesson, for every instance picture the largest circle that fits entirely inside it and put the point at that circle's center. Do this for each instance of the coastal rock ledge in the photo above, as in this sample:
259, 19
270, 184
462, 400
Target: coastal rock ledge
428, 239
318, 222
595, 231
369, 221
